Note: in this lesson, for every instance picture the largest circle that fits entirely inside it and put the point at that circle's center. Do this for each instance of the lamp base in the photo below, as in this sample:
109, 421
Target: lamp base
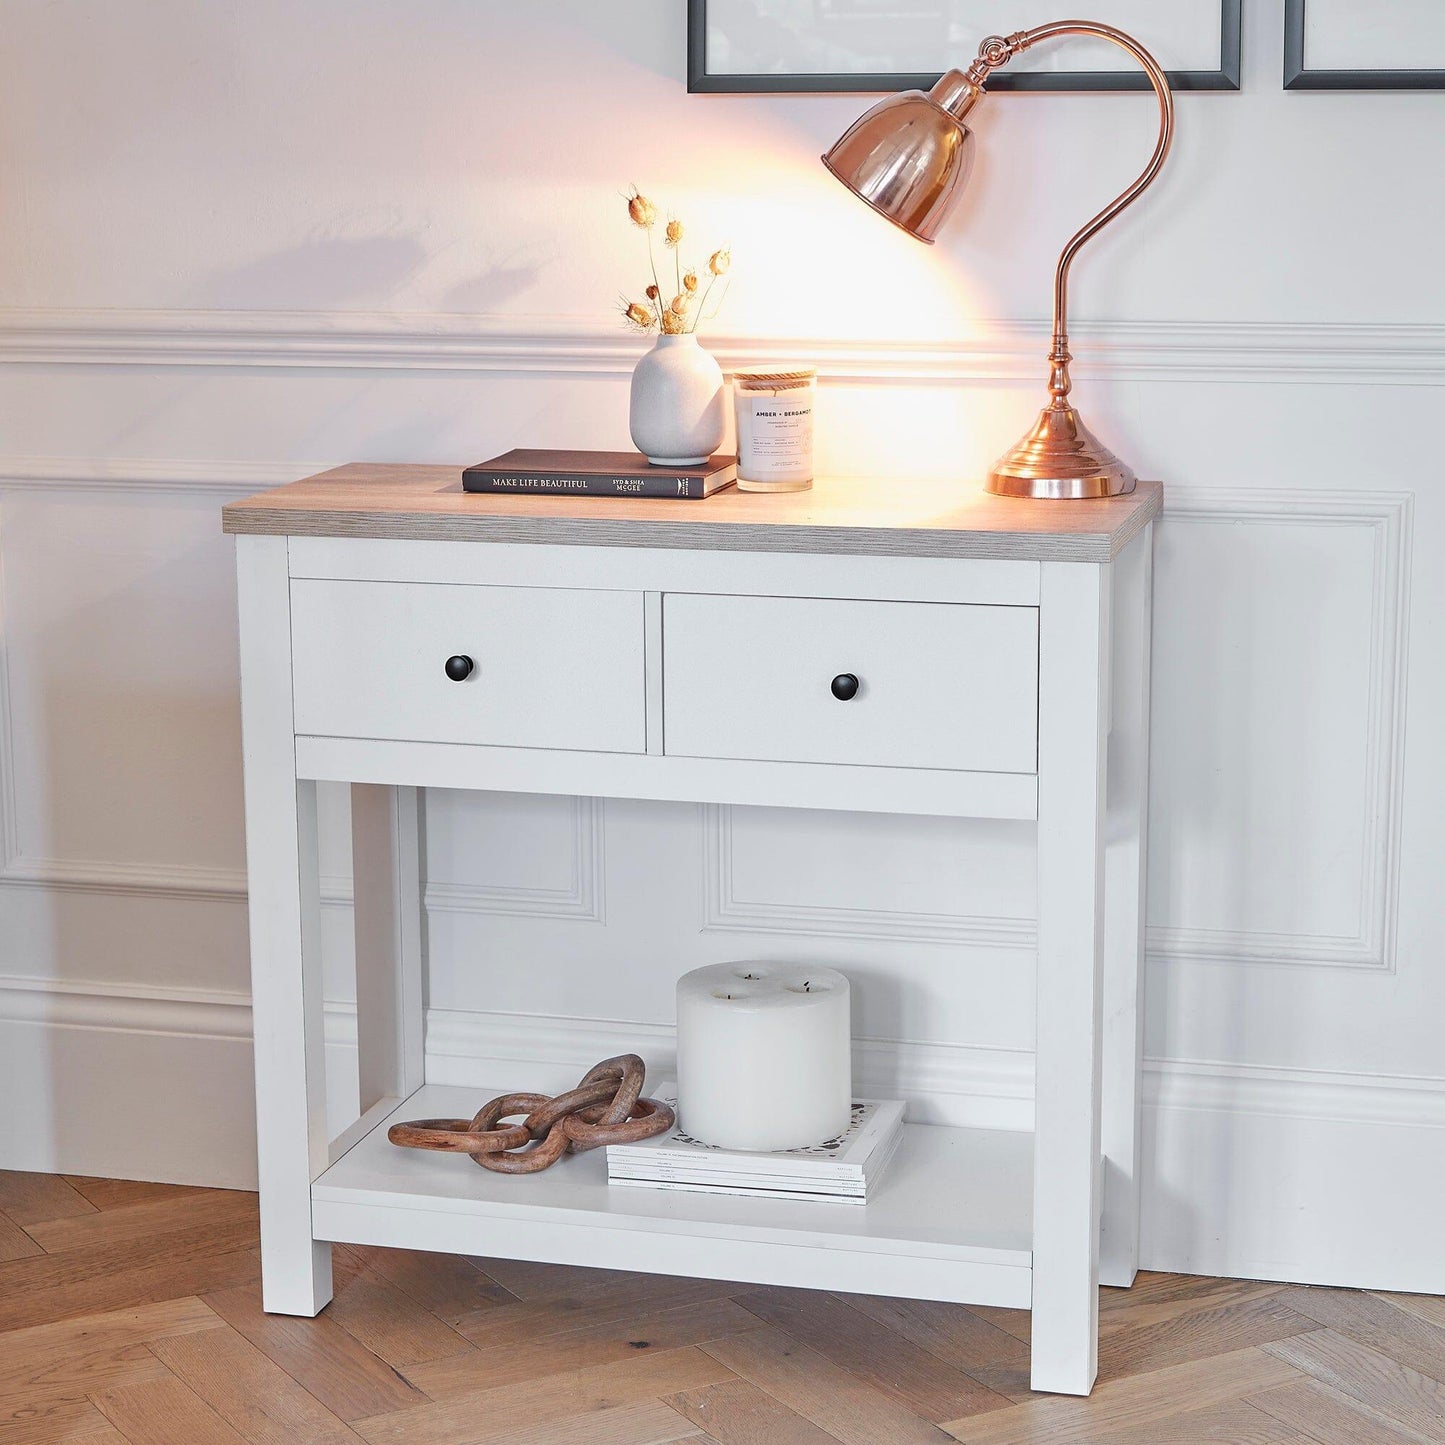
1062, 460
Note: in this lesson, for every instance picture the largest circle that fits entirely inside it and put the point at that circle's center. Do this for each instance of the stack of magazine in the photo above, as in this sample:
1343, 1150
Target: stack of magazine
840, 1171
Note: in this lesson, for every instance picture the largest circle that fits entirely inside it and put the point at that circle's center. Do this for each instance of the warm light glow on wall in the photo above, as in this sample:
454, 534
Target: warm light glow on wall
818, 265
902, 433
809, 262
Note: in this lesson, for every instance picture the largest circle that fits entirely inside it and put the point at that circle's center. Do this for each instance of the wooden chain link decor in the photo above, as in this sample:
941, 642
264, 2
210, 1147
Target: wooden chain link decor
606, 1107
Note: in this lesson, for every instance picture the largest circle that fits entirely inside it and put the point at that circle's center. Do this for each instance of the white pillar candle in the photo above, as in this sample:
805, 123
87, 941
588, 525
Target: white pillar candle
763, 1055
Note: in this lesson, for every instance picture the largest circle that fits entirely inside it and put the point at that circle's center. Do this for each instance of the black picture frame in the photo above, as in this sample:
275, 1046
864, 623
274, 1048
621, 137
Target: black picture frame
1296, 77
700, 82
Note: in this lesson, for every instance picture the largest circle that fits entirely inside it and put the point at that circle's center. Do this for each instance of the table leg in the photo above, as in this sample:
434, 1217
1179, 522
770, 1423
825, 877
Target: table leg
386, 868
285, 906
1073, 722
1124, 879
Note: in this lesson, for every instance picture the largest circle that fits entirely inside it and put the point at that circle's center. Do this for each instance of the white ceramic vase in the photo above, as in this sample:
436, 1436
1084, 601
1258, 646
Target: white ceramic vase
676, 416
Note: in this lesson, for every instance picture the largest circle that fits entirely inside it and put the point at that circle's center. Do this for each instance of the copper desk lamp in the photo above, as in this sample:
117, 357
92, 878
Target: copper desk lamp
909, 158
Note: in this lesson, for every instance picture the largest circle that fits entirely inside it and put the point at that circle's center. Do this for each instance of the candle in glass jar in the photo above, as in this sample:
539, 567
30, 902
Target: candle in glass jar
764, 1056
774, 408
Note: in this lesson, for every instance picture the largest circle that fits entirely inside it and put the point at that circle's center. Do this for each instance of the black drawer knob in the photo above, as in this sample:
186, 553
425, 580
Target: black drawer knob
844, 686
459, 668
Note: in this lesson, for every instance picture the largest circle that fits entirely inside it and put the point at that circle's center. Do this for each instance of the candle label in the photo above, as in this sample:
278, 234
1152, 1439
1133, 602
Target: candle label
775, 435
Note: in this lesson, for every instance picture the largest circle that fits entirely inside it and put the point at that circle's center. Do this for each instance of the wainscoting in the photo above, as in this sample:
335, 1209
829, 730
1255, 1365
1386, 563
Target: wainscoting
286, 319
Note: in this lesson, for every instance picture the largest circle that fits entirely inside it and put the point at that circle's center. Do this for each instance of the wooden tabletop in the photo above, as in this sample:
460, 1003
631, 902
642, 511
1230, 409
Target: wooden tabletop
847, 515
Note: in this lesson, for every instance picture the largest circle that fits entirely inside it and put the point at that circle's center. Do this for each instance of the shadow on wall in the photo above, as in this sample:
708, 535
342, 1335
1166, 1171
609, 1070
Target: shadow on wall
328, 273
319, 274
503, 279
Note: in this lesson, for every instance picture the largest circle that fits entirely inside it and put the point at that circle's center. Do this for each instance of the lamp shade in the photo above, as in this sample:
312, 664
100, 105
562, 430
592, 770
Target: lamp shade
908, 158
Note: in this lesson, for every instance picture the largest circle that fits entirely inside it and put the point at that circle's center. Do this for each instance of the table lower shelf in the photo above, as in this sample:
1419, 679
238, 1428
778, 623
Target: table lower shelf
950, 1220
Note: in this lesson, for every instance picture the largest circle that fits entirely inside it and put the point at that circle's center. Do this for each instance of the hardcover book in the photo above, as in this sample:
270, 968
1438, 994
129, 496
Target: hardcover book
547, 473
841, 1170
746, 1187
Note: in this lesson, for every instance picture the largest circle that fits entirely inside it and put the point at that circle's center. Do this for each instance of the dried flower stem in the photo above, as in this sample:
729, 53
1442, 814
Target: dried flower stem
718, 307
653, 264
702, 305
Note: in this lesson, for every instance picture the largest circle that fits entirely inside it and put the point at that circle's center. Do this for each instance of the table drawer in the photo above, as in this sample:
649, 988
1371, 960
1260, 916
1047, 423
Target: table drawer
939, 685
551, 667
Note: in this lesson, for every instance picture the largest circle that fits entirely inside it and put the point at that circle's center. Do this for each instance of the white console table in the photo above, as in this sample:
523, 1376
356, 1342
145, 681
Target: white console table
398, 634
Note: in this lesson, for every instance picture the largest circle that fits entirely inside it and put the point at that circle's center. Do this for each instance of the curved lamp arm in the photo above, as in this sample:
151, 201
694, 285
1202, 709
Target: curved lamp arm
997, 51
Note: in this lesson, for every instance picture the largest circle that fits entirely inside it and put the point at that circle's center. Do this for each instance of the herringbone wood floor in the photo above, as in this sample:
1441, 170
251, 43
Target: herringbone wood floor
131, 1312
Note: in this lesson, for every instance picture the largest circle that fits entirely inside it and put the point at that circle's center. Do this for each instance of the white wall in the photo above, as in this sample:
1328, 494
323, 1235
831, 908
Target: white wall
241, 239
